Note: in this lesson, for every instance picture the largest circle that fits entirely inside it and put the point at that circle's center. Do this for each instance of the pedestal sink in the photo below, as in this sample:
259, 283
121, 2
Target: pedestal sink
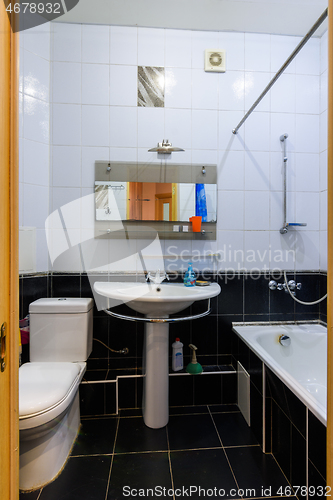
156, 302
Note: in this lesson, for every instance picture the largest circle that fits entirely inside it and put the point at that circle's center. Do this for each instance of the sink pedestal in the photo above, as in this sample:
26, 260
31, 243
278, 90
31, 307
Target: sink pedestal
155, 404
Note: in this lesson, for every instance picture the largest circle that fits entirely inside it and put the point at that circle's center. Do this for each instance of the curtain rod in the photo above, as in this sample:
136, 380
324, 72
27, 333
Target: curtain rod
283, 67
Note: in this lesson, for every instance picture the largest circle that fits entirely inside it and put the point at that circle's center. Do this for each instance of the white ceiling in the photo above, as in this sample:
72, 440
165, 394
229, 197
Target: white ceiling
283, 17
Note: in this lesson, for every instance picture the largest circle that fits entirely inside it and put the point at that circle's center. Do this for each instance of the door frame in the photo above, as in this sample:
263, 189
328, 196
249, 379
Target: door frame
329, 438
9, 270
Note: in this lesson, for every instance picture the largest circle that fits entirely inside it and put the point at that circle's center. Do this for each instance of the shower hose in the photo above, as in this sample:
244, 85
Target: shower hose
301, 301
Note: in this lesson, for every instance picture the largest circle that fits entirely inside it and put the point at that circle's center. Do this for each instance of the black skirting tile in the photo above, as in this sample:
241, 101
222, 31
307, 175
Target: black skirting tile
192, 432
255, 470
281, 439
135, 436
110, 395
225, 408
83, 478
126, 392
181, 390
131, 412
207, 468
187, 410
234, 430
317, 443
96, 437
91, 399
229, 388
298, 458
207, 389
138, 471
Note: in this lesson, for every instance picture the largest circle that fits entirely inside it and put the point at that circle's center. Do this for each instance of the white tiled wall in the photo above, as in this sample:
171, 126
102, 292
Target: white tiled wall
94, 115
35, 94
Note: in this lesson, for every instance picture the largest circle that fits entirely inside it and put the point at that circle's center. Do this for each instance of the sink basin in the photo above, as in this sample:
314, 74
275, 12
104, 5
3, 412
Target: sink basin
156, 300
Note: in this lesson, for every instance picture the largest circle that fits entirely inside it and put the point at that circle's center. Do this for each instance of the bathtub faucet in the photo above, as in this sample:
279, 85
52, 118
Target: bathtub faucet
293, 286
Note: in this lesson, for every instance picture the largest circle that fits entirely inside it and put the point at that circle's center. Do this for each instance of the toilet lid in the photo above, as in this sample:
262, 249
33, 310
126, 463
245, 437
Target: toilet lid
44, 385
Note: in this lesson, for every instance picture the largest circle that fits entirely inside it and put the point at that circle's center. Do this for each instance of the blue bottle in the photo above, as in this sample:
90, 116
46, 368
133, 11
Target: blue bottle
190, 276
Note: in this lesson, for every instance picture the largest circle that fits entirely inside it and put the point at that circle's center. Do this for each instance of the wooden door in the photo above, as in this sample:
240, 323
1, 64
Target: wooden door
9, 257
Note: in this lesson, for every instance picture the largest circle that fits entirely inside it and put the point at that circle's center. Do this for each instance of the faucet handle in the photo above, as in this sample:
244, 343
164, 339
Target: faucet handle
148, 276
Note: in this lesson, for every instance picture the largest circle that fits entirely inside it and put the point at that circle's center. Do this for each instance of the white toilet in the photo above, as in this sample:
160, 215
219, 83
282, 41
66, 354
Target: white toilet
60, 343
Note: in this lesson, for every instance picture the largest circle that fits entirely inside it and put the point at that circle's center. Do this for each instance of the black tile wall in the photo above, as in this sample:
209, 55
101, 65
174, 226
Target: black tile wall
293, 408
287, 436
281, 439
242, 298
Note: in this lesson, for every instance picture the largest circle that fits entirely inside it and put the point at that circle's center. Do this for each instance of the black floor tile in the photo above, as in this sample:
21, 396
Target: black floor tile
134, 435
255, 470
138, 471
233, 429
192, 432
32, 495
96, 437
83, 478
205, 469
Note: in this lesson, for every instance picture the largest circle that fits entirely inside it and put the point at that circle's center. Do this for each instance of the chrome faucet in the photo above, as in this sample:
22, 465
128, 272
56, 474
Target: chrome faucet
292, 285
158, 278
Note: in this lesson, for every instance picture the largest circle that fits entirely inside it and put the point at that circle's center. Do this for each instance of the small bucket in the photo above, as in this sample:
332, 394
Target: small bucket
196, 223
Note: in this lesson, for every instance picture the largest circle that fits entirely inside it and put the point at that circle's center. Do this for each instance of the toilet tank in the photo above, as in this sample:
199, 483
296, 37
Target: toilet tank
61, 329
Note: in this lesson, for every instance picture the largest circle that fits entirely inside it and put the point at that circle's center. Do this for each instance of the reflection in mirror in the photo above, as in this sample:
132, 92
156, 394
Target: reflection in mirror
154, 201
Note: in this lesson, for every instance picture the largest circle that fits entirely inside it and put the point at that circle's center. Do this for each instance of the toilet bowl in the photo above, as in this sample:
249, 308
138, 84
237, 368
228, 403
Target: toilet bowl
49, 412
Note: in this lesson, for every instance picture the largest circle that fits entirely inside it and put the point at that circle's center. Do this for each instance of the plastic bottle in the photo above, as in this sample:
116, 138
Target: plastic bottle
190, 276
177, 355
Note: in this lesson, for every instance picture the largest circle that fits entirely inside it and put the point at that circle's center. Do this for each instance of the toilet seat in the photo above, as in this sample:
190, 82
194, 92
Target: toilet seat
46, 390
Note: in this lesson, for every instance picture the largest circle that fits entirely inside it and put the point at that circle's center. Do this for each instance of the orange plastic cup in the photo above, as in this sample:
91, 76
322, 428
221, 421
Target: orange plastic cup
196, 223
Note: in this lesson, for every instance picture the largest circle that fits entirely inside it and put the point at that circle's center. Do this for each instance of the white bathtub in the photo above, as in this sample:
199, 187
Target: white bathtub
302, 366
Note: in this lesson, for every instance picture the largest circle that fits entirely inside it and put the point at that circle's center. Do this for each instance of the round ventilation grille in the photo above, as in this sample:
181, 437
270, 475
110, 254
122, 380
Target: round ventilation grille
215, 59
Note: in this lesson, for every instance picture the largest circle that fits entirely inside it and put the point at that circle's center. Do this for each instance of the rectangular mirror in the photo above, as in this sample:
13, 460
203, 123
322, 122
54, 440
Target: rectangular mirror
154, 201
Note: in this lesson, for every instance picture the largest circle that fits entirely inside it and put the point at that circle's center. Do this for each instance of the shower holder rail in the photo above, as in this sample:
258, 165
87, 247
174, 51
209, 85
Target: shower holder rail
286, 225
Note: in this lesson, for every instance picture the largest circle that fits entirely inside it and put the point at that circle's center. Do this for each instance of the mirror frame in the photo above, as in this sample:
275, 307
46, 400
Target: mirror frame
163, 171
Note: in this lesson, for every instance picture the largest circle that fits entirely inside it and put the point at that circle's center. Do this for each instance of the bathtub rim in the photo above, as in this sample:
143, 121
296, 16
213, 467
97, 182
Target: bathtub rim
301, 393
